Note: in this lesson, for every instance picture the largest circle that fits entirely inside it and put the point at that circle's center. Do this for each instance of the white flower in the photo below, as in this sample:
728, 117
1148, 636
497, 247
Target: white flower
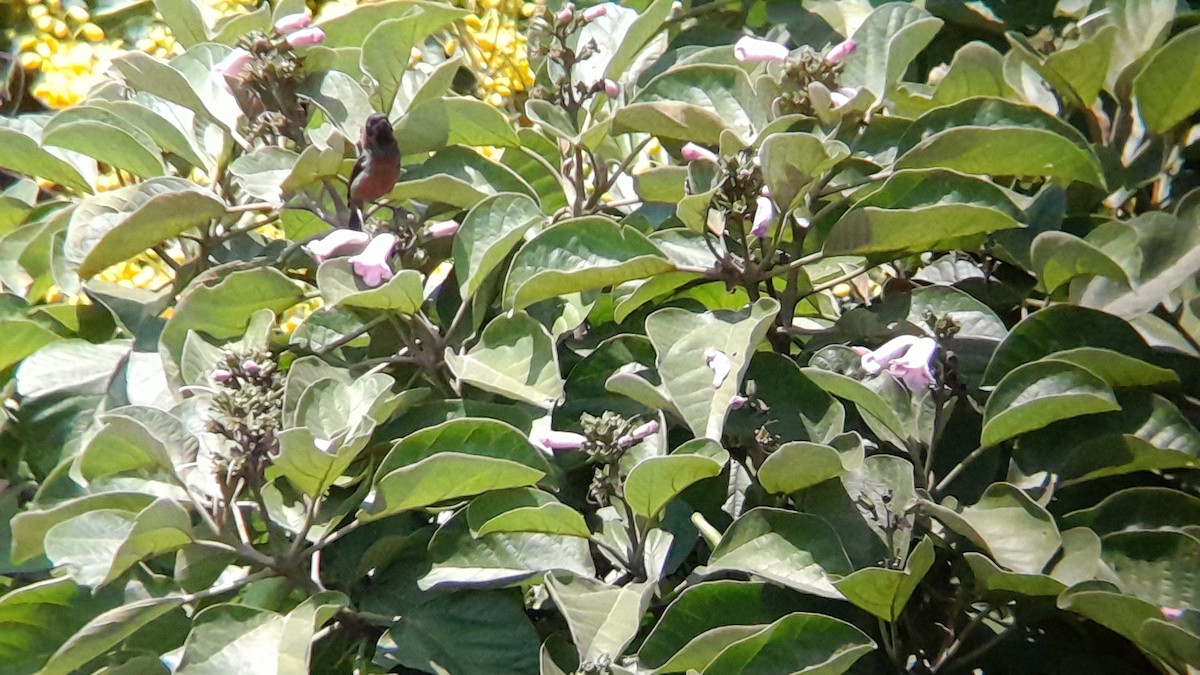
720, 364
558, 440
753, 50
764, 213
335, 243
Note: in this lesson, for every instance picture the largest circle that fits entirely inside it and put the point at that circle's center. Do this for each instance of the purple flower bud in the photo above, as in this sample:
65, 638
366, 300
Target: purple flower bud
840, 51
738, 402
337, 242
221, 375
753, 50
443, 229
1171, 613
251, 367
764, 213
232, 65
372, 264
293, 22
566, 14
559, 440
306, 37
593, 13
611, 88
692, 152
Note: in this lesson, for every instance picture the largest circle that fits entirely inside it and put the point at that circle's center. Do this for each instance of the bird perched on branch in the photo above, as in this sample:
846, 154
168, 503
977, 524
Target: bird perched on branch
375, 173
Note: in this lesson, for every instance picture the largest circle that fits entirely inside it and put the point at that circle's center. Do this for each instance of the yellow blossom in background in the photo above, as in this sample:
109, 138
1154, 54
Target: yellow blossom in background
295, 315
145, 270
495, 47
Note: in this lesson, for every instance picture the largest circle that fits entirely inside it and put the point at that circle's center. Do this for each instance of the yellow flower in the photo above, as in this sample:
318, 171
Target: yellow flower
496, 47
295, 315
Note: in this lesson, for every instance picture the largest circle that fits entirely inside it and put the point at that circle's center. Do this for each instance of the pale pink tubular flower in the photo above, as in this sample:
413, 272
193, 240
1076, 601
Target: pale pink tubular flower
559, 440
875, 361
372, 264
293, 22
221, 375
840, 51
443, 229
913, 368
338, 241
753, 50
692, 152
593, 13
232, 65
643, 431
764, 213
306, 37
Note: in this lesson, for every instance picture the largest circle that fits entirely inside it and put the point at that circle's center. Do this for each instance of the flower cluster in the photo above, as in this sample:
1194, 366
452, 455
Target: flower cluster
496, 48
247, 409
811, 81
67, 51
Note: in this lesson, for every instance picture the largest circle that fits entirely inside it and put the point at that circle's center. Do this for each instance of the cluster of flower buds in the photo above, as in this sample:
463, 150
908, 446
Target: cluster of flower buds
554, 41
605, 438
246, 411
811, 80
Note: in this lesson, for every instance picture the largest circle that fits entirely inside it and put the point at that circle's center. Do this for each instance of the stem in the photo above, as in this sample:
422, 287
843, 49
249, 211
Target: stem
350, 337
793, 265
621, 168
336, 535
974, 455
161, 252
310, 515
839, 280
221, 590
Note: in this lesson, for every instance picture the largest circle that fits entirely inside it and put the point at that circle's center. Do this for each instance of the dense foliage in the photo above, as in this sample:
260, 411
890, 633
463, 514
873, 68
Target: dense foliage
730, 337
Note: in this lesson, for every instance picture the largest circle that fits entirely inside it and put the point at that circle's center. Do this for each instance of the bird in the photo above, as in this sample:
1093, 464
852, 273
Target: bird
377, 169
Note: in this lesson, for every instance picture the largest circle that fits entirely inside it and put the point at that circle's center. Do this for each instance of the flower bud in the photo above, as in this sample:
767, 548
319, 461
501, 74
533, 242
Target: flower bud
251, 367
338, 241
611, 88
443, 229
692, 152
566, 14
559, 440
738, 402
306, 37
753, 50
593, 13
293, 22
763, 215
232, 65
643, 431
840, 51
221, 375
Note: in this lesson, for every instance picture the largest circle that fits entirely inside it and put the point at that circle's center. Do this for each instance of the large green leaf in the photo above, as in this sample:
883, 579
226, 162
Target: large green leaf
387, 49
1133, 618
695, 103
312, 469
29, 528
515, 357
106, 137
340, 285
888, 41
1138, 508
1168, 88
792, 161
794, 549
885, 592
702, 358
502, 558
116, 225
154, 121
1059, 257
1156, 566
347, 30
603, 619
441, 122
578, 255
39, 617
798, 643
228, 638
1038, 394
798, 465
977, 70
655, 481
105, 632
459, 177
20, 338
524, 510
1005, 151
489, 232
20, 146
867, 400
914, 211
1017, 532
1164, 259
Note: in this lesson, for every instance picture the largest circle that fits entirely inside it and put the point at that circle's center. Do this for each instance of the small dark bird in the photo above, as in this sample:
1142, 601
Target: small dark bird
375, 173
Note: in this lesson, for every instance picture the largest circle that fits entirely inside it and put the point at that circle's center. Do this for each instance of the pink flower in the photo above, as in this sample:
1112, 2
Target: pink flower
306, 37
232, 65
764, 213
443, 229
840, 51
611, 89
372, 264
293, 22
738, 402
566, 14
221, 375
251, 367
906, 357
842, 96
753, 50
335, 243
648, 429
692, 152
593, 13
1171, 613
559, 440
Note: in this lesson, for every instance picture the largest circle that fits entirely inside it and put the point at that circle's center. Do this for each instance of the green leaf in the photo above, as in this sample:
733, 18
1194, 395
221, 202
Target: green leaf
20, 338
154, 123
116, 225
885, 592
1059, 257
799, 642
347, 30
798, 465
1037, 394
524, 510
1166, 259
311, 469
105, 632
489, 232
124, 444
106, 137
709, 616
702, 358
914, 211
228, 638
387, 48
1168, 87
29, 528
502, 558
603, 619
198, 93
432, 636
515, 357
38, 618
22, 152
578, 255
655, 481
340, 285
867, 400
1061, 327
1136, 620
695, 103
1005, 151
1156, 566
343, 99
98, 546
1116, 369
184, 19
888, 41
794, 549
438, 123
977, 70
646, 24
1138, 508
459, 177
220, 303
1017, 532
262, 172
